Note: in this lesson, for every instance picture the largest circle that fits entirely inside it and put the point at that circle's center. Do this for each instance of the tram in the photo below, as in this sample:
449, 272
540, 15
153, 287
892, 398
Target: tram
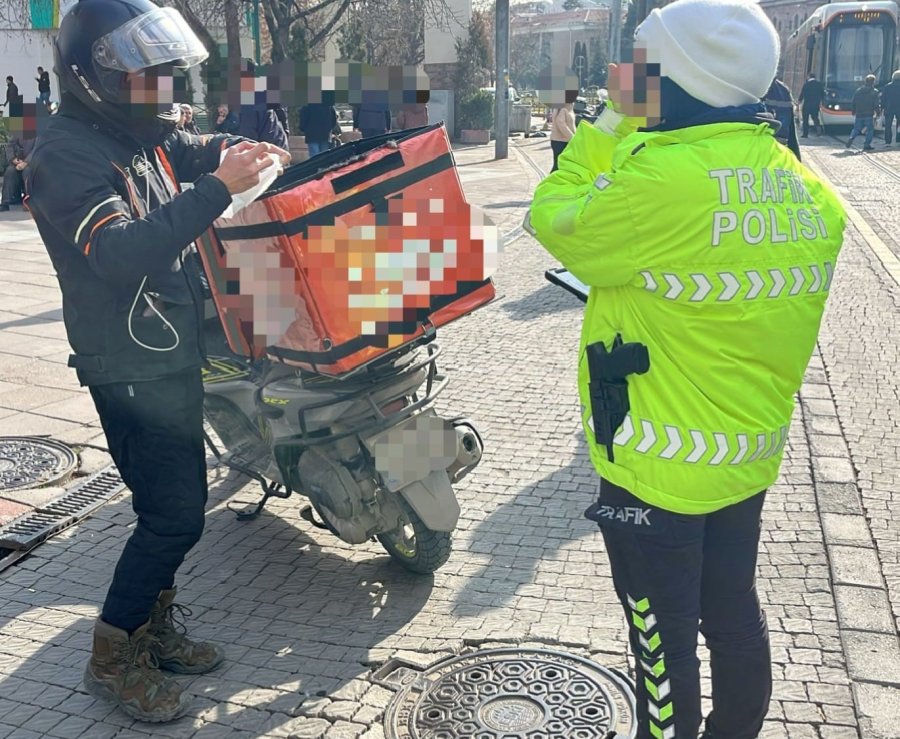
841, 43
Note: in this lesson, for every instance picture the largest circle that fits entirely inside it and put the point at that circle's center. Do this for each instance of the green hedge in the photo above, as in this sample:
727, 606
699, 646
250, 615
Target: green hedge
476, 111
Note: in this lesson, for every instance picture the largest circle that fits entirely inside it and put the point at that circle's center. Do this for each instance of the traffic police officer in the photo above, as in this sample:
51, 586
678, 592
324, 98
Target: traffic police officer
709, 250
103, 188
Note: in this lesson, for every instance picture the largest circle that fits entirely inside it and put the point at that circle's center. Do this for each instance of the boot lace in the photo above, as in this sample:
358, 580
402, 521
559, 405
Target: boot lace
173, 619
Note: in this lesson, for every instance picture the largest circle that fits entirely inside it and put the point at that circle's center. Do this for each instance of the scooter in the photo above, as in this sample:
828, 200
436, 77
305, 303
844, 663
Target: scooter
367, 450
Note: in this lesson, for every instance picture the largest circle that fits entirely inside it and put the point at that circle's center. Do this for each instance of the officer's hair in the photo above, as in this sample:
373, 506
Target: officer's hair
870, 79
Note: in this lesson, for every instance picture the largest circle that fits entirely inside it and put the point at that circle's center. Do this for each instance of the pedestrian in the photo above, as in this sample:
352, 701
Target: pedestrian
812, 95
371, 118
12, 93
187, 121
864, 107
709, 252
562, 130
102, 186
43, 80
890, 102
281, 114
17, 152
780, 103
317, 121
226, 121
258, 121
412, 115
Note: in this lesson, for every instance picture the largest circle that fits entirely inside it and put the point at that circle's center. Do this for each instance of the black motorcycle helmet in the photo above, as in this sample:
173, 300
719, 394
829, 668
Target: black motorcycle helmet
101, 42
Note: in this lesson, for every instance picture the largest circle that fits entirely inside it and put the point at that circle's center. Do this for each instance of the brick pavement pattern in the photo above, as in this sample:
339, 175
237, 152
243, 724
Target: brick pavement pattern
306, 618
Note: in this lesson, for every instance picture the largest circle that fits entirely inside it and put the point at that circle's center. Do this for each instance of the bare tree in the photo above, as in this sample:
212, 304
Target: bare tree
322, 18
385, 32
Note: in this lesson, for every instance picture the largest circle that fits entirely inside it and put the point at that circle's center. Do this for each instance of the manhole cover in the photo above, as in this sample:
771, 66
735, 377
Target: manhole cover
512, 694
27, 462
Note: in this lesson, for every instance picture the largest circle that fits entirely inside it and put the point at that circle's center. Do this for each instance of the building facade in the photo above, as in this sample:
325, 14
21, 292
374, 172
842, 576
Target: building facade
788, 15
561, 34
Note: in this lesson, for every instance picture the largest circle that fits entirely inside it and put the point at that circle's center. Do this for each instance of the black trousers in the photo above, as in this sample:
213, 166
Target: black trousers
12, 186
889, 116
808, 113
674, 574
557, 147
155, 435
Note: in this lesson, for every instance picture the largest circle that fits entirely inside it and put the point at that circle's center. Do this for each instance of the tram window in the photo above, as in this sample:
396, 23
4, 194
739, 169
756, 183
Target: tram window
855, 51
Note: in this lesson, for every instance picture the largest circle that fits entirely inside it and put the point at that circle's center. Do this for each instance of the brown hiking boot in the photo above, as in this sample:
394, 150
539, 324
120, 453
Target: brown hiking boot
122, 669
172, 649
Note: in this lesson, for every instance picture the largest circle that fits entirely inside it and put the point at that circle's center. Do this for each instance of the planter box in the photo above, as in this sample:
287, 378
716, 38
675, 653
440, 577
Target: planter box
475, 136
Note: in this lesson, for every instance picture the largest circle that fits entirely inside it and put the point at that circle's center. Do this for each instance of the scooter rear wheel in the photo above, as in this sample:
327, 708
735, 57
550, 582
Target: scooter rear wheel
414, 545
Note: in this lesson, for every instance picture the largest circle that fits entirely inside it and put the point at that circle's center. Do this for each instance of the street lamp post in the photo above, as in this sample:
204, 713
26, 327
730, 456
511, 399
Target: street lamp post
501, 99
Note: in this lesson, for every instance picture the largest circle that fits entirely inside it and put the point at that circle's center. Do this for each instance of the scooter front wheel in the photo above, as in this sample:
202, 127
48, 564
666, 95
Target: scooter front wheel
414, 545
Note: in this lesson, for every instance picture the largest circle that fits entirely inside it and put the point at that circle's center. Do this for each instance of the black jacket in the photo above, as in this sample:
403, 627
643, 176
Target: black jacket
317, 121
779, 103
44, 82
890, 97
260, 123
812, 94
12, 94
88, 192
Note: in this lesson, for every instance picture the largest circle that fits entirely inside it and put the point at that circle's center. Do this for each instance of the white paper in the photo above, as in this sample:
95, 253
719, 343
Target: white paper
266, 178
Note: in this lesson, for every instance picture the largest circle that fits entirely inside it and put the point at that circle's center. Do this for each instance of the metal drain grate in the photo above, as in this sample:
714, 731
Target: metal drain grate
82, 499
508, 694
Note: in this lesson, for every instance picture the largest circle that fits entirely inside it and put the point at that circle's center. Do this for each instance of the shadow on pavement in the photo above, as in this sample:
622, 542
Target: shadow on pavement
543, 301
560, 499
299, 618
45, 317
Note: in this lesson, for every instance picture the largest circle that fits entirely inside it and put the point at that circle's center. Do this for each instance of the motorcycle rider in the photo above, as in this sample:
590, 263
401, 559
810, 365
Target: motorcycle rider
102, 186
709, 249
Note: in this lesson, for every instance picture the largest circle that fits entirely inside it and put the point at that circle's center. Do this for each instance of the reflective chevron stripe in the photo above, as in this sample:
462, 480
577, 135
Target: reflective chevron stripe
698, 447
652, 663
752, 284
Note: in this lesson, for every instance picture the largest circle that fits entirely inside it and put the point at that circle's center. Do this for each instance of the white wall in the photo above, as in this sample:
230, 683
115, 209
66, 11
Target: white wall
21, 53
440, 43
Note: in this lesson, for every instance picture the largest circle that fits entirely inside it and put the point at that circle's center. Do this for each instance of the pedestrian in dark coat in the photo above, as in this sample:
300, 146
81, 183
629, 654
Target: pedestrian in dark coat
780, 103
372, 119
226, 121
890, 103
318, 121
811, 96
17, 152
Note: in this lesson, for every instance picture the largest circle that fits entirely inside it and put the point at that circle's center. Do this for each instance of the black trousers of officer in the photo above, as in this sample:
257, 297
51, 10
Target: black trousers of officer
155, 435
677, 573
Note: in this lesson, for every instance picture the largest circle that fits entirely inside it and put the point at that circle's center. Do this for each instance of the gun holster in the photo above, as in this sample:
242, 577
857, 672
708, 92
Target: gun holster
608, 386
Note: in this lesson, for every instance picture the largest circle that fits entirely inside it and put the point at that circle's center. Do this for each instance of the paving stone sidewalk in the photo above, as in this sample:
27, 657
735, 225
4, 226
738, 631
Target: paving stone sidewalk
306, 618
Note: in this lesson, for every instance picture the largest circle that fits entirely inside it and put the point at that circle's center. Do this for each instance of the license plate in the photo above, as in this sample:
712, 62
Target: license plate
413, 450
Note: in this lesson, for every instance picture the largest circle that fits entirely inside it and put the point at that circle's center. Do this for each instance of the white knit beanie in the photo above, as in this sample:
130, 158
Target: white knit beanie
722, 52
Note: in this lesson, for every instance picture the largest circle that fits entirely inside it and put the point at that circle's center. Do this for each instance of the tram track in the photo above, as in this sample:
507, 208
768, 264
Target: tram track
519, 231
873, 160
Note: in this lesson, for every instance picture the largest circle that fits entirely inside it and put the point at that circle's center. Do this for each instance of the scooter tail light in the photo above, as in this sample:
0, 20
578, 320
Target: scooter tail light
394, 406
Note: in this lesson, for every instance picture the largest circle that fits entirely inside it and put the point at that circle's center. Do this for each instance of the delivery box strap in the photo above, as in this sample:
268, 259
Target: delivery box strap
378, 341
326, 215
370, 171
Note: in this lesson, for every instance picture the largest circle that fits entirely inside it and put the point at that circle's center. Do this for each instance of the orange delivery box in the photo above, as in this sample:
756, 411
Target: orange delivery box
351, 255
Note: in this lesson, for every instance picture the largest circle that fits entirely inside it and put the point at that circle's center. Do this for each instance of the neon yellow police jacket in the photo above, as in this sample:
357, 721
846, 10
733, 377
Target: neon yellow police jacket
714, 247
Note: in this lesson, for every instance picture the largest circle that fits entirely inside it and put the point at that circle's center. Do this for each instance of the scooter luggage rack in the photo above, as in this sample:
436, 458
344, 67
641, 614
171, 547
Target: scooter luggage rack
434, 385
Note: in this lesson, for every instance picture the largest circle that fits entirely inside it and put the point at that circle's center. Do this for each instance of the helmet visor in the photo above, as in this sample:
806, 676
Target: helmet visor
160, 36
